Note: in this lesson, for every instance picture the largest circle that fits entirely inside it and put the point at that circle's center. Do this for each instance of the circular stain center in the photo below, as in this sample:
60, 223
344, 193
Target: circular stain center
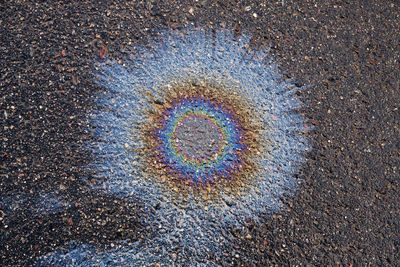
198, 138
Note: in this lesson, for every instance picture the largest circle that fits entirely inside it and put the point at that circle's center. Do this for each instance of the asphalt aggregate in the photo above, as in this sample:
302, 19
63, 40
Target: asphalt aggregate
344, 54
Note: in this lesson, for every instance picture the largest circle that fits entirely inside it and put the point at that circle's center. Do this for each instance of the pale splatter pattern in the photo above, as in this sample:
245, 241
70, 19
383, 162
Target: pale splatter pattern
188, 231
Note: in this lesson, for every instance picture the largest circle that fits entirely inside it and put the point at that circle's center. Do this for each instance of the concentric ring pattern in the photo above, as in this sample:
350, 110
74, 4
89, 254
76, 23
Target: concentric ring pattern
201, 126
201, 137
219, 154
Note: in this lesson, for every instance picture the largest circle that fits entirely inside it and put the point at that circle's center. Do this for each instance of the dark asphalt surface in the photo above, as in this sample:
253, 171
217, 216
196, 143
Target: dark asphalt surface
345, 213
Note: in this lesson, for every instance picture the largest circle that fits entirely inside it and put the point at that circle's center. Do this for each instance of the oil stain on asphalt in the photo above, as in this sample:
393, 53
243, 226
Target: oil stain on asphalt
202, 127
199, 133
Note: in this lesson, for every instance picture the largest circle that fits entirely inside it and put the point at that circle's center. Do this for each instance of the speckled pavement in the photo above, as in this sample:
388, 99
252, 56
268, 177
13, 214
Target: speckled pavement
342, 58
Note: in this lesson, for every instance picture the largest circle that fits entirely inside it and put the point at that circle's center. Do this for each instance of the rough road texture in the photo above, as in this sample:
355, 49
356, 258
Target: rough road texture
345, 213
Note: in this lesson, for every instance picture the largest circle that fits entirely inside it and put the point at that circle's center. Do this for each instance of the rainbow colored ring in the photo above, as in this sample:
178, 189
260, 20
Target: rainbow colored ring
183, 153
229, 154
215, 80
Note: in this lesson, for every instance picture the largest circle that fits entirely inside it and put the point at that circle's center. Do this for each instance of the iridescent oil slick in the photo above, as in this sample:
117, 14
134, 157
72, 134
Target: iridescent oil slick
202, 127
202, 139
